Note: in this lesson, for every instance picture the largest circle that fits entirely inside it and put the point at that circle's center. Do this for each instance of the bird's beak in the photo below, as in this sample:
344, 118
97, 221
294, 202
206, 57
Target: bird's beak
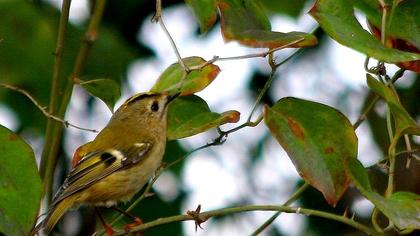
171, 97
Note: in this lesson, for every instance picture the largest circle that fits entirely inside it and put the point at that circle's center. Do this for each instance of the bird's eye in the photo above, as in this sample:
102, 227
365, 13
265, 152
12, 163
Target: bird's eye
155, 106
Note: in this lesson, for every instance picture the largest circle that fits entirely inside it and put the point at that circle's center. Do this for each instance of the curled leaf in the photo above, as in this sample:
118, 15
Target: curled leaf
247, 23
173, 78
337, 18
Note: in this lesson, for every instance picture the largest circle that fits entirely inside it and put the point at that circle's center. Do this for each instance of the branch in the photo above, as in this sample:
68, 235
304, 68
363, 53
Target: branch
203, 216
53, 137
51, 134
43, 109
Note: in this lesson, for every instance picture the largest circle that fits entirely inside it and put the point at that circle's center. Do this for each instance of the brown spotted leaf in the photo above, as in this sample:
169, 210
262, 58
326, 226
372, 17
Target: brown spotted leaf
246, 22
197, 80
318, 139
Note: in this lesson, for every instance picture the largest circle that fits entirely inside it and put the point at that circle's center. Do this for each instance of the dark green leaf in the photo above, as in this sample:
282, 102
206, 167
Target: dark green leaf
105, 89
404, 20
358, 174
171, 78
404, 124
317, 139
336, 17
191, 115
246, 22
205, 13
291, 8
402, 208
20, 191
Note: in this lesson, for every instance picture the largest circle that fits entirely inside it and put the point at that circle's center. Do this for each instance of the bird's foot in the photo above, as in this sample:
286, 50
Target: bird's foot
108, 229
137, 221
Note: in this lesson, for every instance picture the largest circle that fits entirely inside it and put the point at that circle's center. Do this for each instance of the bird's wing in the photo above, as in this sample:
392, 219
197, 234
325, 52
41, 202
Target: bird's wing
97, 165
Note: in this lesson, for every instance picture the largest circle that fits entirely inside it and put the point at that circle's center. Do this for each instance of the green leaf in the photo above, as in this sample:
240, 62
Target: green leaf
105, 89
402, 208
20, 191
404, 123
403, 19
204, 12
337, 19
246, 22
291, 8
317, 139
197, 80
191, 115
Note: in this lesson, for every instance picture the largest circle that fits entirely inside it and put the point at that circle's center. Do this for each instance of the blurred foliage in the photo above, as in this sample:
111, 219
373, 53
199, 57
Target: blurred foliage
27, 57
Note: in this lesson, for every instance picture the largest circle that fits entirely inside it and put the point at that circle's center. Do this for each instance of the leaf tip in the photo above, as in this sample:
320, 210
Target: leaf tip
232, 116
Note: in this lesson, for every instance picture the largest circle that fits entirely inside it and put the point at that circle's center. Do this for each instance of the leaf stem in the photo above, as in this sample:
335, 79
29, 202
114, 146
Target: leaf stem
158, 18
271, 77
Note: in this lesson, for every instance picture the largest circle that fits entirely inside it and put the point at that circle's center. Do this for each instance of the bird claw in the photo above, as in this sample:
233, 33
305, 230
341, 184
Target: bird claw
136, 222
108, 229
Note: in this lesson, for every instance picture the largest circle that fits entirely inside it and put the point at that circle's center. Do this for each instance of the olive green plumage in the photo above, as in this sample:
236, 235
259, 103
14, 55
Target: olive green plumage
118, 162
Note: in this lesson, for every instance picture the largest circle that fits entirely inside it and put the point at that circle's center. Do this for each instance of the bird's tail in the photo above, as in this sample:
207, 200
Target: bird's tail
56, 211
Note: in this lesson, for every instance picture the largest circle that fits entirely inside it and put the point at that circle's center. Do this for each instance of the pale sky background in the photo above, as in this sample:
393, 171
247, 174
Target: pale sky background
216, 177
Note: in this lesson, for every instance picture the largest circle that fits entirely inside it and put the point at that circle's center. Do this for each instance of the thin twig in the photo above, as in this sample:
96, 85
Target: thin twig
44, 109
291, 200
365, 112
409, 150
158, 18
248, 56
202, 216
274, 67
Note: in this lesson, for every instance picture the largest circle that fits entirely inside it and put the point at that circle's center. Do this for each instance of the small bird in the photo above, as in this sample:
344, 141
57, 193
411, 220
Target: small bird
118, 162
